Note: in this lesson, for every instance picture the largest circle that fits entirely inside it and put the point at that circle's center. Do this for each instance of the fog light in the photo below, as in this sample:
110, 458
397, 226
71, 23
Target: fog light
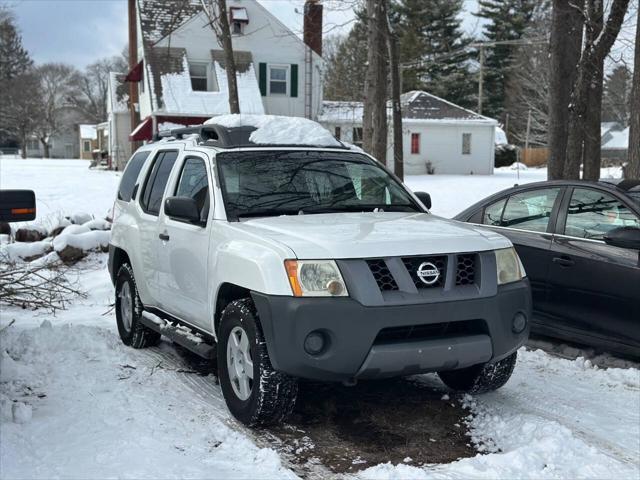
315, 343
519, 322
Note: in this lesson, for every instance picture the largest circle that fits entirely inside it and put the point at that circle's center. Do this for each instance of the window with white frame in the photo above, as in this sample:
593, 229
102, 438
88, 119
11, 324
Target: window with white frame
278, 75
199, 77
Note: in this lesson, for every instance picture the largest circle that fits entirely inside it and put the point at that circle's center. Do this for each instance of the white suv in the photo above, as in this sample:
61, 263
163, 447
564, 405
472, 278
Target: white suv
300, 261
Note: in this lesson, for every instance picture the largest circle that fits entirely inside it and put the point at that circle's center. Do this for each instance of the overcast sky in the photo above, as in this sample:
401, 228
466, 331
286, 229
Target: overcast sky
82, 31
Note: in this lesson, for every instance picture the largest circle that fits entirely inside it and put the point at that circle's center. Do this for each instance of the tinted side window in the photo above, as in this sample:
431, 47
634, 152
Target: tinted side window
157, 181
194, 184
593, 213
530, 210
493, 213
130, 176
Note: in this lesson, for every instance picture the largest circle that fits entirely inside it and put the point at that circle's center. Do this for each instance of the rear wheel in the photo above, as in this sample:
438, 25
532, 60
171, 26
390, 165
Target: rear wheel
128, 312
480, 378
255, 393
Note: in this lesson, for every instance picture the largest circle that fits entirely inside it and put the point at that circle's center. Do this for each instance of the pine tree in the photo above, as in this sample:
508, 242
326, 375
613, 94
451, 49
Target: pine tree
508, 20
617, 96
431, 37
14, 59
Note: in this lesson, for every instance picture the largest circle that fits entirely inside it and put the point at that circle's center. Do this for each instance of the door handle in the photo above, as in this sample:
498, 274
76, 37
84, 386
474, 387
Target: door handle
563, 261
164, 237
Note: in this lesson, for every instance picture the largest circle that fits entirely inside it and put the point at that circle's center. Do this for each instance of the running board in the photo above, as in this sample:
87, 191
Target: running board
179, 334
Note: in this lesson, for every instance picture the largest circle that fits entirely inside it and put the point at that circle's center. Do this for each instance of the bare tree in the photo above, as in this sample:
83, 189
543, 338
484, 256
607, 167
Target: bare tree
91, 87
564, 45
22, 108
217, 14
375, 90
396, 80
586, 98
57, 86
633, 169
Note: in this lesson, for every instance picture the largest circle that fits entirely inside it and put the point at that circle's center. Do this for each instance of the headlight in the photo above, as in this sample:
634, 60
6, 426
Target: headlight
509, 266
315, 278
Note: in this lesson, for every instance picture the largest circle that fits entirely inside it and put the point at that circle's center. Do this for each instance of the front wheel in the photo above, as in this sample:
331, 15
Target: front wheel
480, 378
255, 393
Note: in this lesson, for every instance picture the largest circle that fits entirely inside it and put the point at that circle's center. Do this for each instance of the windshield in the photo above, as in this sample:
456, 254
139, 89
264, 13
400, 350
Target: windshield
635, 196
258, 183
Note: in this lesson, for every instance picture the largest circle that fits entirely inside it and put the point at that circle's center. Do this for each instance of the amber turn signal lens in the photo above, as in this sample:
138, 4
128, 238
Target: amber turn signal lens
292, 274
23, 211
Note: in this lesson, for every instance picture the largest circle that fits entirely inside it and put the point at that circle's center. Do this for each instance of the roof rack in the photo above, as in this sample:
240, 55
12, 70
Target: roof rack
226, 137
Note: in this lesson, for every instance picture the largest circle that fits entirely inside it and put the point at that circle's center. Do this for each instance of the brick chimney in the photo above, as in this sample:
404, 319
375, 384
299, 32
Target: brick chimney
313, 25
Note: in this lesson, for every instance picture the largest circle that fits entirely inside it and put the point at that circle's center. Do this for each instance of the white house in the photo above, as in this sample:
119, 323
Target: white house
181, 78
439, 136
119, 121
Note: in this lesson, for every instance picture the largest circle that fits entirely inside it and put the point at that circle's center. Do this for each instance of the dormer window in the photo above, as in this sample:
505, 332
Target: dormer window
199, 77
239, 18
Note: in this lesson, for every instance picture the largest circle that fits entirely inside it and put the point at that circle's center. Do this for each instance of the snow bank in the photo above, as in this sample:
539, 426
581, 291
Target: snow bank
275, 129
14, 252
85, 241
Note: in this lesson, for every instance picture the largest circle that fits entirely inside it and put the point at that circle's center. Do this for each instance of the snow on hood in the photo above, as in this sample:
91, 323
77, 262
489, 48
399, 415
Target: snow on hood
275, 129
368, 234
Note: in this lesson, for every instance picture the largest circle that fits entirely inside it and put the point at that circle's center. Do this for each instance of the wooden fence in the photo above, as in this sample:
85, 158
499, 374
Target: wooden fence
534, 157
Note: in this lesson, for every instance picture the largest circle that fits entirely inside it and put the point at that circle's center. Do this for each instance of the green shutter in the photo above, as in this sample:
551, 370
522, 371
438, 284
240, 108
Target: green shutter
262, 78
294, 80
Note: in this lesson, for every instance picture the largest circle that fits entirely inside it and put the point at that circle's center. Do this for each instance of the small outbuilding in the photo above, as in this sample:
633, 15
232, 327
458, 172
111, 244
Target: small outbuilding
438, 136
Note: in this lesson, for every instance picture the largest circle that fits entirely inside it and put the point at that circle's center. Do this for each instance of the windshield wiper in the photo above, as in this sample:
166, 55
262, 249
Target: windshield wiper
267, 213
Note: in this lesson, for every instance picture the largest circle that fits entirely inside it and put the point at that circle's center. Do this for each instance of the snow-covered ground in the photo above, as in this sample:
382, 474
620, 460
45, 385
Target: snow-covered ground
76, 403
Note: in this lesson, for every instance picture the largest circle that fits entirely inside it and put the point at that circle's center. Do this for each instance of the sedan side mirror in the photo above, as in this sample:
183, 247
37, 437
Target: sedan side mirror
17, 205
624, 237
425, 198
183, 209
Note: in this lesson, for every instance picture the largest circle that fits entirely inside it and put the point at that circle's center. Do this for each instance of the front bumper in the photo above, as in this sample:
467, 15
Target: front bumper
356, 348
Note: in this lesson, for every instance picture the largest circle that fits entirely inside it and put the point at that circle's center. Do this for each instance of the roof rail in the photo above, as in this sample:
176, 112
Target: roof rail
223, 137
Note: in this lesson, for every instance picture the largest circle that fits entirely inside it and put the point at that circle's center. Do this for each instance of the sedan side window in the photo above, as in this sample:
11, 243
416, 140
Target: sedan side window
530, 210
593, 213
493, 213
194, 184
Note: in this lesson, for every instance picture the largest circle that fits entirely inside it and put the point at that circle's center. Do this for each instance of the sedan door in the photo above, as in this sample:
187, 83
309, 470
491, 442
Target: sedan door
184, 250
527, 218
595, 287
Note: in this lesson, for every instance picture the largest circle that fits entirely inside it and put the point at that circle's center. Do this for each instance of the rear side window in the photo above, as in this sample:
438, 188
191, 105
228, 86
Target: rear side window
194, 184
530, 210
130, 175
151, 199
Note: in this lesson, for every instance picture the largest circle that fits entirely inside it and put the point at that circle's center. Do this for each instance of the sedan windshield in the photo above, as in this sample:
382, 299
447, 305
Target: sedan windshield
258, 183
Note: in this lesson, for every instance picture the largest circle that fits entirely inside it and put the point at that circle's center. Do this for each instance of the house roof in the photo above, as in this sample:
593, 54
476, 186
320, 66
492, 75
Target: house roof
159, 18
417, 106
88, 132
618, 140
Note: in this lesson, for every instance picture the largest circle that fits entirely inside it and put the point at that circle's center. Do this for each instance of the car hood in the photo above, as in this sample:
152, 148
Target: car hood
373, 234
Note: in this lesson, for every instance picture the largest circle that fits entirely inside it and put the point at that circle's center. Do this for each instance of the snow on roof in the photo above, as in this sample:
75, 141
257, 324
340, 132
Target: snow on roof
417, 106
501, 137
179, 97
275, 129
618, 141
88, 131
118, 93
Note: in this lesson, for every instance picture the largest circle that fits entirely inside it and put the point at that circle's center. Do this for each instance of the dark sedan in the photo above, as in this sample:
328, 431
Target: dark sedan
580, 244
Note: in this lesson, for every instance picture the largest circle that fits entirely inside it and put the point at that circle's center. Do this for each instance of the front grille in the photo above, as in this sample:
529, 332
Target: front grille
412, 264
466, 269
430, 331
383, 276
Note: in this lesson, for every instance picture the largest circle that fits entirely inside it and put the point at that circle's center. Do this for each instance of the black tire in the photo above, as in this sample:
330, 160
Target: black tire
137, 335
275, 398
480, 378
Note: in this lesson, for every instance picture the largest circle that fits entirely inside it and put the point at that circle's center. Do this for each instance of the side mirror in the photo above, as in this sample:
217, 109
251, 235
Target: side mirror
624, 237
183, 209
425, 198
17, 205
